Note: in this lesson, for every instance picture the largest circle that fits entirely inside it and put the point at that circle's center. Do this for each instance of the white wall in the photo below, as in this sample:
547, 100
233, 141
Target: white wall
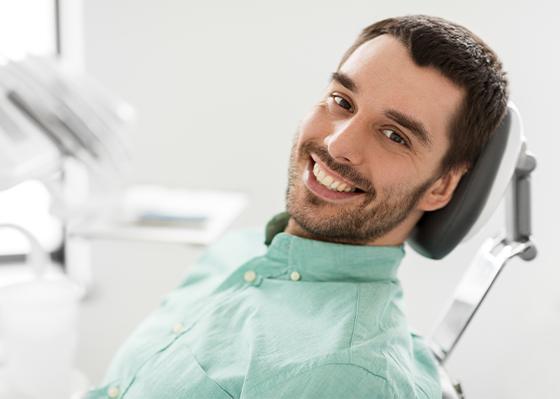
23, 32
220, 88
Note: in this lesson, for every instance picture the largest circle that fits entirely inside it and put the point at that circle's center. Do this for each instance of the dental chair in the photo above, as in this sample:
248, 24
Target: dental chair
503, 168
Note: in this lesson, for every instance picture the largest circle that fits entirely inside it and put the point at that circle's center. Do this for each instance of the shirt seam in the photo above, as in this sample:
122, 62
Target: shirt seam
355, 322
300, 373
207, 376
415, 383
381, 317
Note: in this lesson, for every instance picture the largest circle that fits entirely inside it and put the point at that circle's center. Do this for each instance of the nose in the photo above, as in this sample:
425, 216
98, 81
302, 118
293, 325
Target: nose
346, 143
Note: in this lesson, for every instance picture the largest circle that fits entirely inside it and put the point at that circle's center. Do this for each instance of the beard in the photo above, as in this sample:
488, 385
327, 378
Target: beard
350, 223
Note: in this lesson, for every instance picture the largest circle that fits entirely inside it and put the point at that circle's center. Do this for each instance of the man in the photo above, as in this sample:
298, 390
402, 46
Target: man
317, 313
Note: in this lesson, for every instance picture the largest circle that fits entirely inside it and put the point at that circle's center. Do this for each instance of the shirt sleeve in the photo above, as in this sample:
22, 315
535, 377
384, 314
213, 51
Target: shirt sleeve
325, 382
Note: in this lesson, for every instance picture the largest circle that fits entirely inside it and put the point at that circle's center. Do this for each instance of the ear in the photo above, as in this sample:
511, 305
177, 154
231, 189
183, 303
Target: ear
441, 191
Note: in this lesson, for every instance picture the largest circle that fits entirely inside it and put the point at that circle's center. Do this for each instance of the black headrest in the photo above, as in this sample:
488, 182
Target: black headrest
439, 232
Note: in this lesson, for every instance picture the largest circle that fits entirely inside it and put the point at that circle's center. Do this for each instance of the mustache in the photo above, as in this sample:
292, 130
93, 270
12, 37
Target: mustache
343, 170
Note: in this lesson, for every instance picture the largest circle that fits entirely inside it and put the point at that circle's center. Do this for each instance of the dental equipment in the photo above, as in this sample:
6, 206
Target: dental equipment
38, 331
60, 132
504, 168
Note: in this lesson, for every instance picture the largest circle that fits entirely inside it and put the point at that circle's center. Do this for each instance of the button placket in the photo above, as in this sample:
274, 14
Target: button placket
295, 276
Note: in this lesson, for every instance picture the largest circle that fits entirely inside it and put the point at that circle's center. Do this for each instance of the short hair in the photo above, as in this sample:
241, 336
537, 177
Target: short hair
465, 59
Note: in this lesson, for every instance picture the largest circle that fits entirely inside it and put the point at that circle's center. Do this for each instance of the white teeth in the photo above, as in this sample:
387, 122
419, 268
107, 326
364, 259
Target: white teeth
330, 182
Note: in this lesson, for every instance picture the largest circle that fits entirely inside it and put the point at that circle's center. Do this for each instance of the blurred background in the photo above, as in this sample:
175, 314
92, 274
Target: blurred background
219, 89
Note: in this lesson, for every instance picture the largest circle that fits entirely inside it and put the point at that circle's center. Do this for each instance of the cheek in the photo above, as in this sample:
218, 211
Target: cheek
386, 175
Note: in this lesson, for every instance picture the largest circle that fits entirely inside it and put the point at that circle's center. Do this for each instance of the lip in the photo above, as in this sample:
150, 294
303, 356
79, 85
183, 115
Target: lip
321, 191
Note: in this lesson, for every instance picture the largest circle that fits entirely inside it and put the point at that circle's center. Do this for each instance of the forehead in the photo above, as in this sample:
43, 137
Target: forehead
386, 77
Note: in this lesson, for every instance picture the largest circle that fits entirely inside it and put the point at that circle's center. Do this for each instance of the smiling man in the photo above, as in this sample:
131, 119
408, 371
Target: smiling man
367, 162
317, 312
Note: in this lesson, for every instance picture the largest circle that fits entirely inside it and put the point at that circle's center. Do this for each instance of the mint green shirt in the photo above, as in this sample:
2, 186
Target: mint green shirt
299, 319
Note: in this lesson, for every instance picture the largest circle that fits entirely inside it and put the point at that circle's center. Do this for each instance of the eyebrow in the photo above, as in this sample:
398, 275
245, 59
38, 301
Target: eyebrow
416, 127
344, 80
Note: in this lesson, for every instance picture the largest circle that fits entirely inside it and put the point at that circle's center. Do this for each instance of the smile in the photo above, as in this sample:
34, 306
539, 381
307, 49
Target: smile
326, 184
329, 181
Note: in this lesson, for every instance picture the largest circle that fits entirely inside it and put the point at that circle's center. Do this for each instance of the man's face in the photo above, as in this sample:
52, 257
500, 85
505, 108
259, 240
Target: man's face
366, 159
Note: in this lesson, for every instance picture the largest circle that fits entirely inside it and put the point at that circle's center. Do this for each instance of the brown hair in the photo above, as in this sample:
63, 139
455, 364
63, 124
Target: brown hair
466, 60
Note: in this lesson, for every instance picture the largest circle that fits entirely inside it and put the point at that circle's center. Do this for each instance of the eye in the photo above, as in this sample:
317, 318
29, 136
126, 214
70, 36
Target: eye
342, 102
394, 136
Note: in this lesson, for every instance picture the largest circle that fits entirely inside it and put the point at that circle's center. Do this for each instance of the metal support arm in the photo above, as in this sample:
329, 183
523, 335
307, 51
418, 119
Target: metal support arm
489, 261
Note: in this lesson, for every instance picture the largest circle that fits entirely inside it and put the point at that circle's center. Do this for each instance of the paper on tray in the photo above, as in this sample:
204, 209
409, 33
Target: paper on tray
155, 213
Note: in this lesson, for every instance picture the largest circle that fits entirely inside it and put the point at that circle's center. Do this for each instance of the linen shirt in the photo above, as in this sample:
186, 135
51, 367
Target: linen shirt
299, 319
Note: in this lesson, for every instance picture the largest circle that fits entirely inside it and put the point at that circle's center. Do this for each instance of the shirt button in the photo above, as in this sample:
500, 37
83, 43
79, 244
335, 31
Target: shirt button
295, 276
113, 392
250, 276
177, 328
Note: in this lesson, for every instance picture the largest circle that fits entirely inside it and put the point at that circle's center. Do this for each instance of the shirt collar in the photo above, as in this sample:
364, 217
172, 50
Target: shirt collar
326, 261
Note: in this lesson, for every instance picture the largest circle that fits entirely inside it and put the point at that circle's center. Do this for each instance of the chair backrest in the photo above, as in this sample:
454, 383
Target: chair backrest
477, 195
